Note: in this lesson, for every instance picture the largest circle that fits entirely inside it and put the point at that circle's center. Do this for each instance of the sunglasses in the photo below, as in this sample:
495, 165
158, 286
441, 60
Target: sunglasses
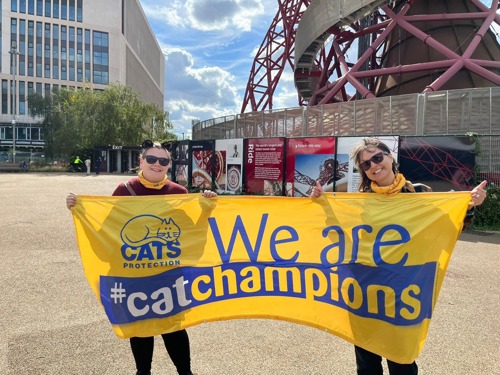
377, 159
150, 159
149, 144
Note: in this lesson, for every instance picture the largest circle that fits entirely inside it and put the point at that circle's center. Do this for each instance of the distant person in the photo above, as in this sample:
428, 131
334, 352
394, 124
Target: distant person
87, 165
98, 163
24, 166
380, 175
78, 163
152, 180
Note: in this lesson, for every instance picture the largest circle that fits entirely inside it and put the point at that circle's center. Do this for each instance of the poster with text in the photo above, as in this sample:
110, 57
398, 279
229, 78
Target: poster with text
264, 166
442, 162
228, 165
202, 164
309, 160
347, 172
180, 162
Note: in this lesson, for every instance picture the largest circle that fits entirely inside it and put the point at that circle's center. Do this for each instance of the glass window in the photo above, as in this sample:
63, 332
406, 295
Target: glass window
64, 9
22, 98
5, 96
55, 9
79, 11
48, 8
13, 6
21, 133
31, 6
13, 27
22, 6
35, 134
39, 7
30, 91
71, 10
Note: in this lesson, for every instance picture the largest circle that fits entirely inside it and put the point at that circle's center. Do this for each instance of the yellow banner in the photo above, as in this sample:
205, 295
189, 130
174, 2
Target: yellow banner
365, 267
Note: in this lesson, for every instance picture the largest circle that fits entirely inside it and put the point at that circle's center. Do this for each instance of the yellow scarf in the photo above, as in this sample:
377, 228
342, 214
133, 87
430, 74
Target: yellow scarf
152, 185
393, 189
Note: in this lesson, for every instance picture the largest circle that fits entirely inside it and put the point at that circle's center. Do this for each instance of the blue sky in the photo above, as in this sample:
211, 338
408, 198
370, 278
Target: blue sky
209, 47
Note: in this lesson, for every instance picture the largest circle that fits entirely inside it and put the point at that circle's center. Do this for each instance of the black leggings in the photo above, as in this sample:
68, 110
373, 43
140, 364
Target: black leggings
177, 344
369, 363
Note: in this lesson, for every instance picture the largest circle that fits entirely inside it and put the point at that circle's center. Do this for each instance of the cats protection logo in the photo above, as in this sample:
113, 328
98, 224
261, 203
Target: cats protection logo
150, 241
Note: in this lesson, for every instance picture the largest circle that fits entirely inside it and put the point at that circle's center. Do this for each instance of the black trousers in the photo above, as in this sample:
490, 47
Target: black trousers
177, 345
368, 363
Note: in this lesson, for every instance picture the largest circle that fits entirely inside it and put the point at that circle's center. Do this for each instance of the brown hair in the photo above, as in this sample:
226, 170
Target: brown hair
147, 144
365, 144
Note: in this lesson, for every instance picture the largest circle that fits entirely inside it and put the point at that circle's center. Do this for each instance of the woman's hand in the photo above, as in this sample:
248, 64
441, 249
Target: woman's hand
70, 201
208, 193
317, 190
478, 195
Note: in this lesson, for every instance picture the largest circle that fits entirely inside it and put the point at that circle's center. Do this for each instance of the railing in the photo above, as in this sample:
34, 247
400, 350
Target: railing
454, 112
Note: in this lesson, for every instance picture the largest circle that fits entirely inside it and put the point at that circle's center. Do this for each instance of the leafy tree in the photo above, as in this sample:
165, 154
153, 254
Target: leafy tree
85, 118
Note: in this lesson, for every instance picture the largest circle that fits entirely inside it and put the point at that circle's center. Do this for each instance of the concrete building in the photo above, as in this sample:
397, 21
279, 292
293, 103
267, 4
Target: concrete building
51, 44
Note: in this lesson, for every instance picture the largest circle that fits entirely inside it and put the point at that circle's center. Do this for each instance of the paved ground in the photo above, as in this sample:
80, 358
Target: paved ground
50, 322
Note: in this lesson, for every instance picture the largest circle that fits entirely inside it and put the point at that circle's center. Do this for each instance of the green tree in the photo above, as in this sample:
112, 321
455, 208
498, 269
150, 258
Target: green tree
85, 118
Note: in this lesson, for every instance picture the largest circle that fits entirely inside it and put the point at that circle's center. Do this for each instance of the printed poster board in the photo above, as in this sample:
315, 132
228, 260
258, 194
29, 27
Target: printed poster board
180, 162
442, 162
264, 166
229, 165
309, 160
202, 164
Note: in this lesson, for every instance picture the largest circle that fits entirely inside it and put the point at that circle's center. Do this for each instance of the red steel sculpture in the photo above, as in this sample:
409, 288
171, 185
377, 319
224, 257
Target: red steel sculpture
343, 50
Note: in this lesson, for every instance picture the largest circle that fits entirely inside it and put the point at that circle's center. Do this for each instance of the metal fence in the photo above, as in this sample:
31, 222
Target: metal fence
455, 112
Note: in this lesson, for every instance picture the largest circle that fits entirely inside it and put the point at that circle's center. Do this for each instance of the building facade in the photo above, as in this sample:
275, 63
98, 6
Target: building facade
50, 44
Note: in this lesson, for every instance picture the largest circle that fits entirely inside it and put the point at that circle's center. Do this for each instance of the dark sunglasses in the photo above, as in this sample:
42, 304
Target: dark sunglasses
377, 159
150, 159
148, 144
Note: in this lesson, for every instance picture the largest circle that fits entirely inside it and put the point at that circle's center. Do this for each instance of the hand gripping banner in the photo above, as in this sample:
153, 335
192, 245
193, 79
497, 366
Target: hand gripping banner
365, 267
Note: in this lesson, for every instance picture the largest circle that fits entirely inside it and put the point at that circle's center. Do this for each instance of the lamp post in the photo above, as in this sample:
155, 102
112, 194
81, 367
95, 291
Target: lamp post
13, 53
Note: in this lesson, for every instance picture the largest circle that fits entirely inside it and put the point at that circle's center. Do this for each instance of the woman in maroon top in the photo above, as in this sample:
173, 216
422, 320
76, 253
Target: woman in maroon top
152, 180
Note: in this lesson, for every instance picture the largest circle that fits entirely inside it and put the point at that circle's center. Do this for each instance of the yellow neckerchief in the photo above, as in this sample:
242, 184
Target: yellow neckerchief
152, 185
394, 188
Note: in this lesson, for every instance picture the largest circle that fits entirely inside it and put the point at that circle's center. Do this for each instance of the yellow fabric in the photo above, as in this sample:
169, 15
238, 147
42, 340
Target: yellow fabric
152, 185
365, 267
394, 188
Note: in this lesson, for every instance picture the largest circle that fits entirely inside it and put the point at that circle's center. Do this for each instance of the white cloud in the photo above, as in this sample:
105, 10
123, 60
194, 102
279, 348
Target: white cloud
207, 15
286, 94
197, 93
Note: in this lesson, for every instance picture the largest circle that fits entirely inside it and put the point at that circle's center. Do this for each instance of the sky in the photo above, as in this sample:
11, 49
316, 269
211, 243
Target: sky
209, 48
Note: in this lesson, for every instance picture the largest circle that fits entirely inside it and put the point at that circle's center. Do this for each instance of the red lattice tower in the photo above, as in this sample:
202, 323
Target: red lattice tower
401, 47
273, 55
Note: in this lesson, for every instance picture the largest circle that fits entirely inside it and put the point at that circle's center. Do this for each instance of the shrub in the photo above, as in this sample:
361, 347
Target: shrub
487, 216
